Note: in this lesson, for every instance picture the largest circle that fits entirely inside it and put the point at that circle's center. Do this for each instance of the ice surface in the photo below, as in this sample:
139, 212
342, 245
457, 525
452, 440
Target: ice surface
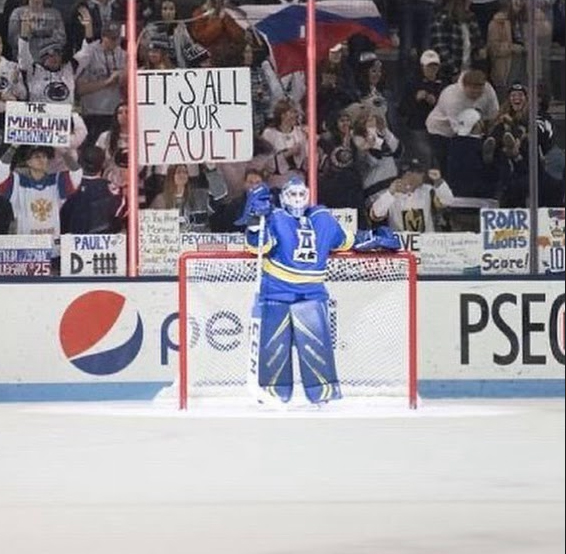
453, 478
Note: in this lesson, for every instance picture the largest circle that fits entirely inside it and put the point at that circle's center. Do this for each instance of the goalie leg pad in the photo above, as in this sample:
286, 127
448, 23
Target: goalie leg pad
313, 339
275, 361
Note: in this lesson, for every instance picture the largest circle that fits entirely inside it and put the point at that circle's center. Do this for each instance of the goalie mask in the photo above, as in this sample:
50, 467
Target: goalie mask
295, 197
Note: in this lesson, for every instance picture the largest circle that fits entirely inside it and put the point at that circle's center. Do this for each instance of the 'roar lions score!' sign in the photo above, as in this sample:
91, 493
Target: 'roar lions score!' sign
195, 116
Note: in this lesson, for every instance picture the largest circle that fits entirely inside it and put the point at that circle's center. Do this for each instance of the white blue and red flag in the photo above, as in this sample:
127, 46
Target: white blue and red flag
337, 20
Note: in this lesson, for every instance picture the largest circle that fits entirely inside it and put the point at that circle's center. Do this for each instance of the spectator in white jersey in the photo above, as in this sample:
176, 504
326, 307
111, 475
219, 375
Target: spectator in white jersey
409, 202
101, 81
39, 23
37, 195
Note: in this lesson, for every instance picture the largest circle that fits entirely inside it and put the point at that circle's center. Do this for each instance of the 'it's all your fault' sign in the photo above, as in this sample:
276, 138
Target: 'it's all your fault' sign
194, 116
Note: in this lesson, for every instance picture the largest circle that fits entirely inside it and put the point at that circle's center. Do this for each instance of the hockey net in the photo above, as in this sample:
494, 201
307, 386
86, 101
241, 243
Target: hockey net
372, 311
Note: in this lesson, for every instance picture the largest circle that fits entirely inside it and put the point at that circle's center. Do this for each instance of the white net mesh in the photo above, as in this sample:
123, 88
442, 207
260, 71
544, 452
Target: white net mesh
369, 310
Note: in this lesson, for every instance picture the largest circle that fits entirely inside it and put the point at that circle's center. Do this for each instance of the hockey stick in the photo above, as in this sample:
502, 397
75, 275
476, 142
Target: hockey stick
255, 323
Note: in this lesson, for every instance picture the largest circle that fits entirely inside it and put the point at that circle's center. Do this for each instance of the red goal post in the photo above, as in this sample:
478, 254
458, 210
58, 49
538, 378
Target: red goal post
372, 310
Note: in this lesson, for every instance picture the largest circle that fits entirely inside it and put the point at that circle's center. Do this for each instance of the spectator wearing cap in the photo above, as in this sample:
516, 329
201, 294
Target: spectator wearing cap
96, 206
170, 25
471, 91
457, 38
419, 98
37, 195
52, 78
467, 174
415, 21
101, 81
409, 202
39, 23
12, 86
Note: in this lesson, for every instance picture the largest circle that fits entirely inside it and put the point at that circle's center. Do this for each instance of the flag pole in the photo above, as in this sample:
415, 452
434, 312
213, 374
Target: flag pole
133, 234
311, 101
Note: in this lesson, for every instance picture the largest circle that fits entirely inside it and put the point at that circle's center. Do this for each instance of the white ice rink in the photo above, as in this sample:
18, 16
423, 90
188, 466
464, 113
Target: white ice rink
454, 478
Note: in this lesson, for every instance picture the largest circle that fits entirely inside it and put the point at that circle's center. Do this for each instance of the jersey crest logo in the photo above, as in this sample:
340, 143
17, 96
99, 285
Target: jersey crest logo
414, 221
42, 209
306, 251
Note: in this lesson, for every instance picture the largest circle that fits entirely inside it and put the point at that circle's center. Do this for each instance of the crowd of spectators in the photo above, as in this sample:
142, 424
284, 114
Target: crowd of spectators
452, 122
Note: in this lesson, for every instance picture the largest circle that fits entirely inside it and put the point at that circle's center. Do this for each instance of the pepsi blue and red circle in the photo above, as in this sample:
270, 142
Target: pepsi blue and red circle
101, 333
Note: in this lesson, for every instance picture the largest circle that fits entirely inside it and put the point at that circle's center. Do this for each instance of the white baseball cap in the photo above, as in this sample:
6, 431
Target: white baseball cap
466, 121
429, 57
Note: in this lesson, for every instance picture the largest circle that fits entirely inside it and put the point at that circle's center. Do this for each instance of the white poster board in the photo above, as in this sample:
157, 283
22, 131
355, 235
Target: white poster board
93, 255
159, 242
213, 242
195, 116
38, 123
550, 240
450, 254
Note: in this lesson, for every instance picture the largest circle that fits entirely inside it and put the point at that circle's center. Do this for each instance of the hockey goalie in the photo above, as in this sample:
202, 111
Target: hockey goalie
293, 244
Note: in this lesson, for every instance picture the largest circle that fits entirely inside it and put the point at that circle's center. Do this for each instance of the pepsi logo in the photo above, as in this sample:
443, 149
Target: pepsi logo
101, 333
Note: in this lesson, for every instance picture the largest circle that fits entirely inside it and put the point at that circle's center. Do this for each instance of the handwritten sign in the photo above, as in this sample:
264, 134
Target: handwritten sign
505, 241
93, 255
216, 242
25, 255
37, 123
195, 116
551, 241
159, 242
450, 253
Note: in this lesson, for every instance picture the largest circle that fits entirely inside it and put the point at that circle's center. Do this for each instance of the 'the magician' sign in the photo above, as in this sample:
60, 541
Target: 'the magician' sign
38, 123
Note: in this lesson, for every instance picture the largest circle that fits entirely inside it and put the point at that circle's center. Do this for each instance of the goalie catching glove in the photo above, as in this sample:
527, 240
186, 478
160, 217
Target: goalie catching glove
258, 204
381, 238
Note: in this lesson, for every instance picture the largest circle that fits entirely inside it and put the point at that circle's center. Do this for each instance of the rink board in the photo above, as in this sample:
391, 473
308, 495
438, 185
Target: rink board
494, 338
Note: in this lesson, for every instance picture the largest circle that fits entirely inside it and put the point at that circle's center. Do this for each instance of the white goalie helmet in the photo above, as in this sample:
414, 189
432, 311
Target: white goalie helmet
295, 197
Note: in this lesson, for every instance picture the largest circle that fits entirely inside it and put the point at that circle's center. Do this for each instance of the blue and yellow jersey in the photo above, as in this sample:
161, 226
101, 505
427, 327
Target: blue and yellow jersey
296, 252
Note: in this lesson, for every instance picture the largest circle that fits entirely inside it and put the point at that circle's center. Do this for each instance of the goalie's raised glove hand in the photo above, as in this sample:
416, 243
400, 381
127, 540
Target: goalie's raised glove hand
258, 203
380, 239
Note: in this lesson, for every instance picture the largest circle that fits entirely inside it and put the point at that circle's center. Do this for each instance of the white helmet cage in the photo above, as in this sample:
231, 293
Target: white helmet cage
295, 197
